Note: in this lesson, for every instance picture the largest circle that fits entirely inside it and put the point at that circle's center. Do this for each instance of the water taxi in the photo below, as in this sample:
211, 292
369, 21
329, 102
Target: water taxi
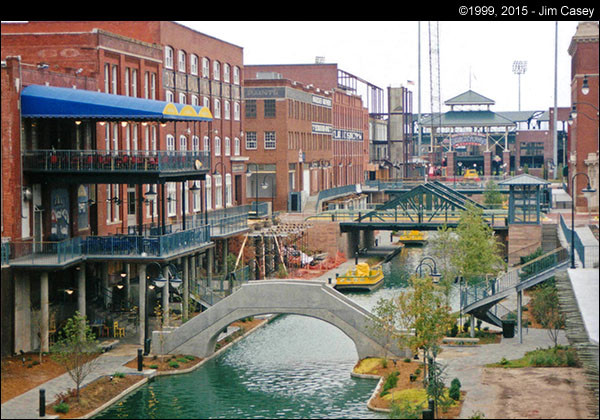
413, 237
362, 277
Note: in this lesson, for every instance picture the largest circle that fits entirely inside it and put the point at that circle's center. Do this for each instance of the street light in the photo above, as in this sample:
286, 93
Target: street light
519, 68
163, 282
432, 270
587, 190
249, 174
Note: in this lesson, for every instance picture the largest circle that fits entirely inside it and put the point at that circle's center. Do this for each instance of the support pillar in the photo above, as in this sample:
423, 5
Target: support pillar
104, 271
186, 287
520, 315
22, 326
209, 266
143, 290
44, 311
81, 290
506, 159
450, 163
165, 298
472, 327
487, 163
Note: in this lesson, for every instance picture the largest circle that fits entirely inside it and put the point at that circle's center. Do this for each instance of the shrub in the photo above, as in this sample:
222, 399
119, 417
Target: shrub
404, 410
61, 407
390, 382
190, 358
456, 382
173, 364
182, 360
153, 366
454, 391
407, 360
119, 375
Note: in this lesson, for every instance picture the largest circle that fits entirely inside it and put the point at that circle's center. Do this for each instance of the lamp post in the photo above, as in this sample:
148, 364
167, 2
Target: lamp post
432, 270
164, 282
249, 174
587, 190
519, 68
264, 186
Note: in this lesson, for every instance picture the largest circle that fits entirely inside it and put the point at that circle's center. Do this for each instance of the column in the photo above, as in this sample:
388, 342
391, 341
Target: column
186, 284
506, 159
520, 315
450, 163
45, 311
472, 327
487, 163
143, 289
209, 266
104, 273
81, 289
165, 297
22, 326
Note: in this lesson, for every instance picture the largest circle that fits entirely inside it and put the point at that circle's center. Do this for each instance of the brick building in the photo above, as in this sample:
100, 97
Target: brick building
583, 134
303, 126
151, 107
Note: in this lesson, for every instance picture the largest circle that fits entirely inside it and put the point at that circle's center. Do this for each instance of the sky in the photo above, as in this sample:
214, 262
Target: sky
473, 54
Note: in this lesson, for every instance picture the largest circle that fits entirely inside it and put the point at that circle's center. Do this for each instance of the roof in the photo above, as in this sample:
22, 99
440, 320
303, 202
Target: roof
524, 179
469, 98
57, 102
469, 119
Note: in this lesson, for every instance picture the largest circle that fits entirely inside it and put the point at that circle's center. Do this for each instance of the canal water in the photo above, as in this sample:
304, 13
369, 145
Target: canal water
294, 367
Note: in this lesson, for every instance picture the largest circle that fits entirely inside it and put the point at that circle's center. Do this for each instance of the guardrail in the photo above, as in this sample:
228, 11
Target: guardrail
514, 277
60, 252
116, 160
588, 261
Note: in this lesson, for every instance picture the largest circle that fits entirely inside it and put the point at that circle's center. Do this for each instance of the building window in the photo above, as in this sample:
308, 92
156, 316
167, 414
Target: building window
250, 108
236, 111
171, 199
208, 187
107, 78
195, 100
206, 146
217, 108
114, 80
168, 96
181, 61
251, 140
269, 108
217, 146
227, 146
216, 70
183, 143
134, 84
182, 98
228, 195
153, 86
236, 75
169, 57
205, 67
270, 140
194, 64
236, 146
218, 191
227, 110
226, 73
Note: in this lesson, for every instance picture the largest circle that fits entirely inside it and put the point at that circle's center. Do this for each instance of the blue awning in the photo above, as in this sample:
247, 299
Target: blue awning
56, 102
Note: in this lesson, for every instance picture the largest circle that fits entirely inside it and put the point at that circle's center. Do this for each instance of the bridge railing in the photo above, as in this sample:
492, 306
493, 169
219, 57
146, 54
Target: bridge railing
513, 277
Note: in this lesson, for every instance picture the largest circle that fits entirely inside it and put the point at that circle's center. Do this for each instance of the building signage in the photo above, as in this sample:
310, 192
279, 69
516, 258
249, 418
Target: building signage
319, 100
59, 214
466, 139
264, 92
347, 135
318, 128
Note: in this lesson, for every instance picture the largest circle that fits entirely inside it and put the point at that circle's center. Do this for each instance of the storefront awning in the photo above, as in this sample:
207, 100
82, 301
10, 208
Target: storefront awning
56, 102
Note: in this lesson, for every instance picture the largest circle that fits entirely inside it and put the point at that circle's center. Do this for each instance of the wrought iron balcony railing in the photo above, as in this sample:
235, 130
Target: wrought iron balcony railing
117, 160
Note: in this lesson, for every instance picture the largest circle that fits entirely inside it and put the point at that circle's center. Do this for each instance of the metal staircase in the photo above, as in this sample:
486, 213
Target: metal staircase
481, 298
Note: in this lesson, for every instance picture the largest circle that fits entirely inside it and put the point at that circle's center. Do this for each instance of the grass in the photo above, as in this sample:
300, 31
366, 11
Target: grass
559, 356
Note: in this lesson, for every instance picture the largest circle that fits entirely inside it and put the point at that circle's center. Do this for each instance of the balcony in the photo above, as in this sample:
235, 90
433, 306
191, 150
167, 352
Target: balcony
56, 254
100, 166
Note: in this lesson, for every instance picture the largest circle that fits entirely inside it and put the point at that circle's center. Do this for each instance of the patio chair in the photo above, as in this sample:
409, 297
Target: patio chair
118, 331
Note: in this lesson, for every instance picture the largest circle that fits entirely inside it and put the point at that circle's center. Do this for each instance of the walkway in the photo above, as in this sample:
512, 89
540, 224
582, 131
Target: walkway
467, 364
26, 405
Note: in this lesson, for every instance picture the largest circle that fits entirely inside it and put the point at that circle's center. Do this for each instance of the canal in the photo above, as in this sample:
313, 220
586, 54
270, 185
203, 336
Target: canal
294, 367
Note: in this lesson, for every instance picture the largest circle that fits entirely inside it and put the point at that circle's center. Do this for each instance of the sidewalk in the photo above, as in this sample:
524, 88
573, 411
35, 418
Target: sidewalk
26, 405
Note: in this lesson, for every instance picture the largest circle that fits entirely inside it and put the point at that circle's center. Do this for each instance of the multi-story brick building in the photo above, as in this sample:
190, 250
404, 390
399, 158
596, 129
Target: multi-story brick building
80, 165
583, 134
304, 129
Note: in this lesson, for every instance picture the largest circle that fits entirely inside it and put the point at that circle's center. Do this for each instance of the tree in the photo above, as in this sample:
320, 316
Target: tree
443, 250
492, 197
384, 322
545, 309
76, 350
477, 250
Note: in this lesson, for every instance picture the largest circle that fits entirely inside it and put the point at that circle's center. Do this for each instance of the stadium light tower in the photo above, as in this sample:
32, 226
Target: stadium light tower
519, 68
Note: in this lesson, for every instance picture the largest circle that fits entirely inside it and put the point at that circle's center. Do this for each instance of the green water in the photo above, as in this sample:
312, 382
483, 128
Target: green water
294, 367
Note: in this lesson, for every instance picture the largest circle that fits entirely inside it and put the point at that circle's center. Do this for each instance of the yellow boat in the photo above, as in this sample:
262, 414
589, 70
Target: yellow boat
361, 278
413, 237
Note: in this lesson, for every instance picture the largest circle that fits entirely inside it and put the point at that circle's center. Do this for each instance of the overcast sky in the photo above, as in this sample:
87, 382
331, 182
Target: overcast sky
386, 54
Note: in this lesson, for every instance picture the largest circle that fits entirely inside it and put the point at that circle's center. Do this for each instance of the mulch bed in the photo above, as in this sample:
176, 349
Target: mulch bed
19, 377
93, 396
406, 369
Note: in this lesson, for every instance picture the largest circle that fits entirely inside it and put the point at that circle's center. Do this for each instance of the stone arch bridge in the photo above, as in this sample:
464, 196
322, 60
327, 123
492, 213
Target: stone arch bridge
316, 299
